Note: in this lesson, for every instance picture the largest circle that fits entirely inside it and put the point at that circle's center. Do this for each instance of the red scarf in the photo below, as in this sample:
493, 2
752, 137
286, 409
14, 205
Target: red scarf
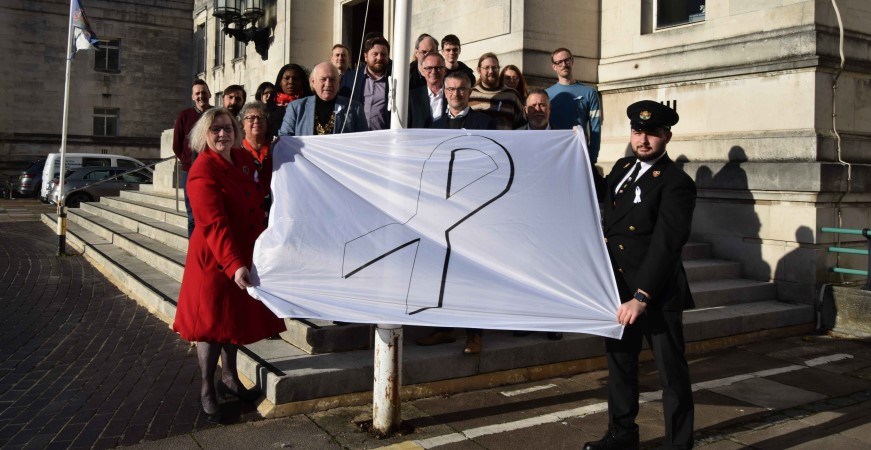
282, 99
258, 154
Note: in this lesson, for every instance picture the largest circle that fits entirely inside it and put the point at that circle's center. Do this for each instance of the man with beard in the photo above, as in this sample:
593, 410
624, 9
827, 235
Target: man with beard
491, 98
233, 98
369, 83
648, 214
427, 103
573, 103
184, 123
537, 110
324, 112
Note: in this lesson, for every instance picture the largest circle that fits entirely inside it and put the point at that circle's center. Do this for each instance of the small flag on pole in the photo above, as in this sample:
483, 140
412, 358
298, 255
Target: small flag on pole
84, 37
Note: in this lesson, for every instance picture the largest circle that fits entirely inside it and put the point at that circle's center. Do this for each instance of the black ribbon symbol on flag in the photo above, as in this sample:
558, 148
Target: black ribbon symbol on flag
472, 172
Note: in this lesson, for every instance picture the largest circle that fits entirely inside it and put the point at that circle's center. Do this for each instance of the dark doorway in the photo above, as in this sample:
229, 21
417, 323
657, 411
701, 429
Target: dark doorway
353, 15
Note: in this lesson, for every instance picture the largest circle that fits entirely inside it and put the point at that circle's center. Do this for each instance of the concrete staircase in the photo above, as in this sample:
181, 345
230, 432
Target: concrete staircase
139, 241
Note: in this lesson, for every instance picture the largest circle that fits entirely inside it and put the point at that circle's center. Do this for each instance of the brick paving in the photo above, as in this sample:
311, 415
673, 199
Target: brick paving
81, 364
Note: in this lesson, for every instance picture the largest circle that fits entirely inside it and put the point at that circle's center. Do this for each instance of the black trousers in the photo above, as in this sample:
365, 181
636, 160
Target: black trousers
664, 333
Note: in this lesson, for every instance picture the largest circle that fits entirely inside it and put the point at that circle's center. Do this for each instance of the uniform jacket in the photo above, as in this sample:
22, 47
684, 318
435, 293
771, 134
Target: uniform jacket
299, 119
228, 209
645, 239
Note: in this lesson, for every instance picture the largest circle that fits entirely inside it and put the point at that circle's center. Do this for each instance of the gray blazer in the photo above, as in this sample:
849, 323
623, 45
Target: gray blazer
299, 119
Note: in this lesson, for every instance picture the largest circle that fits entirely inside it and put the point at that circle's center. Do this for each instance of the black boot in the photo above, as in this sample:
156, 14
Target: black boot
628, 441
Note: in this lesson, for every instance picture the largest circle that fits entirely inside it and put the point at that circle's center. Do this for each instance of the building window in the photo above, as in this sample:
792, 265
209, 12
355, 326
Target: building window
106, 121
239, 51
200, 48
108, 56
671, 13
219, 45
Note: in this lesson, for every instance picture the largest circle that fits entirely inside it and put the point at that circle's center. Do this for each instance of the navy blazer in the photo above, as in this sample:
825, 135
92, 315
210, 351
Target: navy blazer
419, 110
645, 239
299, 119
475, 120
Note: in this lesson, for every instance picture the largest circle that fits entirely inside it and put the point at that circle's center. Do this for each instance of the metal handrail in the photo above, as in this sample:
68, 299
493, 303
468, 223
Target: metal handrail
864, 232
63, 196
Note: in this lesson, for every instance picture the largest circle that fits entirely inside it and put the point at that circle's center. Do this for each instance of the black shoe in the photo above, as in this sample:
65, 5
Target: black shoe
211, 417
554, 335
627, 442
248, 395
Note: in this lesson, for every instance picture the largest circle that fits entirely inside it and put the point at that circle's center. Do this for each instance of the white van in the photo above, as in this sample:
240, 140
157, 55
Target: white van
77, 160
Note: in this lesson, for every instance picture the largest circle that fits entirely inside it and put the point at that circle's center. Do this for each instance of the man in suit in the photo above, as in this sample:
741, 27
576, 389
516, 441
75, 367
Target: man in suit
648, 214
324, 112
427, 103
459, 115
458, 88
368, 83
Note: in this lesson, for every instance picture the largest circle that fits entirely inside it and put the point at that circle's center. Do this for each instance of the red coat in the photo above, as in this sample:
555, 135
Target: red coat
227, 204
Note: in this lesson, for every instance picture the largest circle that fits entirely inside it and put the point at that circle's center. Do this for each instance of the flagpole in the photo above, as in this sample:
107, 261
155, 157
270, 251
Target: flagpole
61, 212
386, 401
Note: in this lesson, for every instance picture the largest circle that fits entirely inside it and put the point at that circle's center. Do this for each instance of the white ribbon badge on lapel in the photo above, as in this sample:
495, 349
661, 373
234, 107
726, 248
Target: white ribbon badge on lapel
637, 195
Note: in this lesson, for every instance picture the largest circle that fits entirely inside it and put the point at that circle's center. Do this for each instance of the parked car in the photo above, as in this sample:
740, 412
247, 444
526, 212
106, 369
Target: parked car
29, 180
79, 184
51, 169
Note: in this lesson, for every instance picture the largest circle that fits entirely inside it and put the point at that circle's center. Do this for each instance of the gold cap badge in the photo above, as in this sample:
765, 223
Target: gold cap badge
644, 115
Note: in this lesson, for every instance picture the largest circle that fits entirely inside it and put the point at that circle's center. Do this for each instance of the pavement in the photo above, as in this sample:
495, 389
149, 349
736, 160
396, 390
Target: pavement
83, 366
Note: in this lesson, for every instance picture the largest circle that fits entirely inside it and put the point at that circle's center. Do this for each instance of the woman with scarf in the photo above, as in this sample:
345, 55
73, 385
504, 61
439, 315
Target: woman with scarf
290, 84
256, 141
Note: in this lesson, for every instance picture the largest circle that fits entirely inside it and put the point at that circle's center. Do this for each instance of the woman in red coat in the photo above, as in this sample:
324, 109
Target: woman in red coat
214, 309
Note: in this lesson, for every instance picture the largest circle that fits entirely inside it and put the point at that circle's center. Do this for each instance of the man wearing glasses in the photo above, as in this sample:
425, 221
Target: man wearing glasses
573, 103
427, 103
491, 98
424, 45
459, 115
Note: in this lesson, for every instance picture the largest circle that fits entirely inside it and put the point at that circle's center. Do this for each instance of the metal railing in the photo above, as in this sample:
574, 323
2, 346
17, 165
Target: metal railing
866, 233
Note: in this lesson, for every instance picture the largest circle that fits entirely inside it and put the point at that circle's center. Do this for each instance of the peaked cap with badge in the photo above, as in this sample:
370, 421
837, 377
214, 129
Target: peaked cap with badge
649, 115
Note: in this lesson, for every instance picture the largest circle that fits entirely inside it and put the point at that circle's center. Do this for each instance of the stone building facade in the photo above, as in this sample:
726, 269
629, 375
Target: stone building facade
121, 97
774, 127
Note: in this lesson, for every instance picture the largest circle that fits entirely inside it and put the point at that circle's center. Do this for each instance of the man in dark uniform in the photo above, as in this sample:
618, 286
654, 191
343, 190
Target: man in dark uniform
648, 214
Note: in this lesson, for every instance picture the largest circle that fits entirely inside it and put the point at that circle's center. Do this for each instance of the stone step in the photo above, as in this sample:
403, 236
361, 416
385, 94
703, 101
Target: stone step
166, 259
733, 291
711, 269
157, 199
168, 215
319, 376
160, 231
696, 250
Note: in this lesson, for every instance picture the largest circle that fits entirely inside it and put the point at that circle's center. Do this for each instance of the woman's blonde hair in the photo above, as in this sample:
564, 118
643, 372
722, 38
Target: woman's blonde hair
200, 132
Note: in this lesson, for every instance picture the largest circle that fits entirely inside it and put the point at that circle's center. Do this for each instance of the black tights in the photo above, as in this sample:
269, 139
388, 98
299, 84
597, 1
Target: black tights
207, 355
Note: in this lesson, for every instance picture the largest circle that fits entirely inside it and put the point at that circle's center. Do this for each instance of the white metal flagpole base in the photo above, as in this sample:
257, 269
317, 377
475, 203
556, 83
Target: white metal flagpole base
386, 402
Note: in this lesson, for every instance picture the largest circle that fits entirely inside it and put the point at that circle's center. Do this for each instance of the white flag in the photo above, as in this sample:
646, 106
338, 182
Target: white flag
482, 229
84, 37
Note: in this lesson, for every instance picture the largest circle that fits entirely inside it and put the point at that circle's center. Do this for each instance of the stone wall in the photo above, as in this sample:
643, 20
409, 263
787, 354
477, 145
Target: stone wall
153, 83
753, 84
